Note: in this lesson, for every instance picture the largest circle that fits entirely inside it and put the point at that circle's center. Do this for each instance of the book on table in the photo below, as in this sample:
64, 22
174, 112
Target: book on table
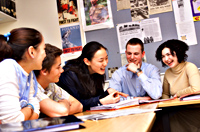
191, 96
119, 105
44, 124
127, 102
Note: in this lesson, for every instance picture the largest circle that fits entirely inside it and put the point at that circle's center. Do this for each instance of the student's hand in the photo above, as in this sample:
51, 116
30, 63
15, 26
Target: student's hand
132, 67
111, 90
110, 99
143, 98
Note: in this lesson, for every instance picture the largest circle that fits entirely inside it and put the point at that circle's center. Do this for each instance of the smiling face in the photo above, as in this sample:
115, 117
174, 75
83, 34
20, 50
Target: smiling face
40, 55
134, 54
98, 62
168, 58
55, 72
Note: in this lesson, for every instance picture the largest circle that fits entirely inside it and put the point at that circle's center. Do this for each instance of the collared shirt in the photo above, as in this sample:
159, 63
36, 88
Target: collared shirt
53, 92
128, 82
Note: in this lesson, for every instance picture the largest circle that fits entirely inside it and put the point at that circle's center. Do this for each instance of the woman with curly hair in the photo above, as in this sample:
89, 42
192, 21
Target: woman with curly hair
182, 77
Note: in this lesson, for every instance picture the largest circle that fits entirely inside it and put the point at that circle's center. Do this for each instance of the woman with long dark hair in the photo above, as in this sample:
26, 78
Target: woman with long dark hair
84, 77
23, 52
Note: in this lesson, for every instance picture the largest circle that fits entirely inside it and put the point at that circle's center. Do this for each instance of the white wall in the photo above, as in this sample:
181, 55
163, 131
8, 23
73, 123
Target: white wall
39, 14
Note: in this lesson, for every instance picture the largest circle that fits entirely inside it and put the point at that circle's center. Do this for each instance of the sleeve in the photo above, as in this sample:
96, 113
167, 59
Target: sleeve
151, 82
116, 81
166, 91
10, 110
34, 100
63, 94
69, 82
40, 93
194, 80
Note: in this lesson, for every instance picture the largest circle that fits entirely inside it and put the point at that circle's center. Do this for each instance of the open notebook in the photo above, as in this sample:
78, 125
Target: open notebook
44, 124
127, 102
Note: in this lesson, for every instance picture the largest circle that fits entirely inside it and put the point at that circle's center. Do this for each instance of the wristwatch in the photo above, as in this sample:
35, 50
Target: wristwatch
138, 70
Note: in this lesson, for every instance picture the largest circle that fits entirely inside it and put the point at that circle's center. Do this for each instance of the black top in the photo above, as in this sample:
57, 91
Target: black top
70, 82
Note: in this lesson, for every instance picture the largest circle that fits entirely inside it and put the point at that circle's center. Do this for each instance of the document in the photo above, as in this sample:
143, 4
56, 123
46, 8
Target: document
192, 96
116, 113
119, 105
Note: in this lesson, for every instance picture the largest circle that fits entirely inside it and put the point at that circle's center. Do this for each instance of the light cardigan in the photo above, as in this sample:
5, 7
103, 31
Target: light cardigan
10, 110
180, 80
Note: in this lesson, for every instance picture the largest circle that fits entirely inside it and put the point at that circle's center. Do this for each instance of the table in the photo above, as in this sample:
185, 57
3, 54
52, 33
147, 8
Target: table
138, 122
176, 112
177, 102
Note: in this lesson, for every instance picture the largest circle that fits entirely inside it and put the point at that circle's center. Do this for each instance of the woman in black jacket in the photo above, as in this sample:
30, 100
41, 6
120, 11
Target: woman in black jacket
84, 77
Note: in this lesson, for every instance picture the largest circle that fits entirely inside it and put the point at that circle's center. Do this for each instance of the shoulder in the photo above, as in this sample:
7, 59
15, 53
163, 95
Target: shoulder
190, 65
121, 69
8, 65
148, 66
8, 62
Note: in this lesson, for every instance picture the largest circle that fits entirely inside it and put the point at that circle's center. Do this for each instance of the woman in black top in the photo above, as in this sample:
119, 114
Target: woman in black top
84, 77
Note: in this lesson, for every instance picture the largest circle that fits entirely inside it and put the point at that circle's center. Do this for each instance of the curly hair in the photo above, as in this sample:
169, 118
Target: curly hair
176, 47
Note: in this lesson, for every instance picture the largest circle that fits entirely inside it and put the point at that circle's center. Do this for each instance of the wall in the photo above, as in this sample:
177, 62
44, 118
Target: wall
42, 15
108, 37
39, 14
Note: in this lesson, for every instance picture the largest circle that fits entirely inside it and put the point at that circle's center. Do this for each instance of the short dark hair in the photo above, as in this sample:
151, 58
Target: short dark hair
177, 46
135, 41
52, 52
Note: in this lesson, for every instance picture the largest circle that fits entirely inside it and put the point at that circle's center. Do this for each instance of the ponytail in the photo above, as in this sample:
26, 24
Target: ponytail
5, 49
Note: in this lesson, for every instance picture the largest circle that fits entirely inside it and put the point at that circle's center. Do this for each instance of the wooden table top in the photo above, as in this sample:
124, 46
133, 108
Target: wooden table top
137, 122
177, 102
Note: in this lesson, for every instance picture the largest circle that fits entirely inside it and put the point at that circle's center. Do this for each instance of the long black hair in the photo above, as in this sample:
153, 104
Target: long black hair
92, 83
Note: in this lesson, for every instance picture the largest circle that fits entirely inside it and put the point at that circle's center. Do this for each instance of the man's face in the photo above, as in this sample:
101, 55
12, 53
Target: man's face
134, 54
93, 2
55, 72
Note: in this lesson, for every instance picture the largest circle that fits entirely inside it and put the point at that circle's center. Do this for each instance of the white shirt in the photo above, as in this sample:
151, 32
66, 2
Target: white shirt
10, 110
53, 92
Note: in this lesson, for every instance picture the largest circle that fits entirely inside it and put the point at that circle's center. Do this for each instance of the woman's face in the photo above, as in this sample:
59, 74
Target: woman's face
40, 55
168, 58
98, 62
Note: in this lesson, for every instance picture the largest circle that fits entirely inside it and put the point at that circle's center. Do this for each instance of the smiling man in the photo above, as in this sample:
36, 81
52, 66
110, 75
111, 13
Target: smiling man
54, 101
137, 78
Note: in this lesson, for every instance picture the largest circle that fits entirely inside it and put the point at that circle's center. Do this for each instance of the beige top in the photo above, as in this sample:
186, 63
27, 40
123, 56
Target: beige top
180, 80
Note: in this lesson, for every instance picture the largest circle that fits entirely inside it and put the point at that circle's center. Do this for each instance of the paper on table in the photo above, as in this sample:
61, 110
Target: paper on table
105, 115
120, 104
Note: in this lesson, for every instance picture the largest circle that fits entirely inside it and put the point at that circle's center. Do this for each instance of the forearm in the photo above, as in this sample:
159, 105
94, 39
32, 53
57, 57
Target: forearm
152, 86
75, 108
28, 112
34, 116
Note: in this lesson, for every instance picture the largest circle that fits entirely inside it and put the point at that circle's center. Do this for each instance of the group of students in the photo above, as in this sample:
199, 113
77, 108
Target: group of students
33, 83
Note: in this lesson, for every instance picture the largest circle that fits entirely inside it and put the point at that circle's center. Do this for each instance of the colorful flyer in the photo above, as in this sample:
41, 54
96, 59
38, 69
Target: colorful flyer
71, 39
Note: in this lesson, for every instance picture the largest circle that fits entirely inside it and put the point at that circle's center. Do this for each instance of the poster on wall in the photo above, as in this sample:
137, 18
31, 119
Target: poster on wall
195, 5
148, 30
159, 6
71, 39
123, 4
96, 14
67, 11
139, 10
184, 21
